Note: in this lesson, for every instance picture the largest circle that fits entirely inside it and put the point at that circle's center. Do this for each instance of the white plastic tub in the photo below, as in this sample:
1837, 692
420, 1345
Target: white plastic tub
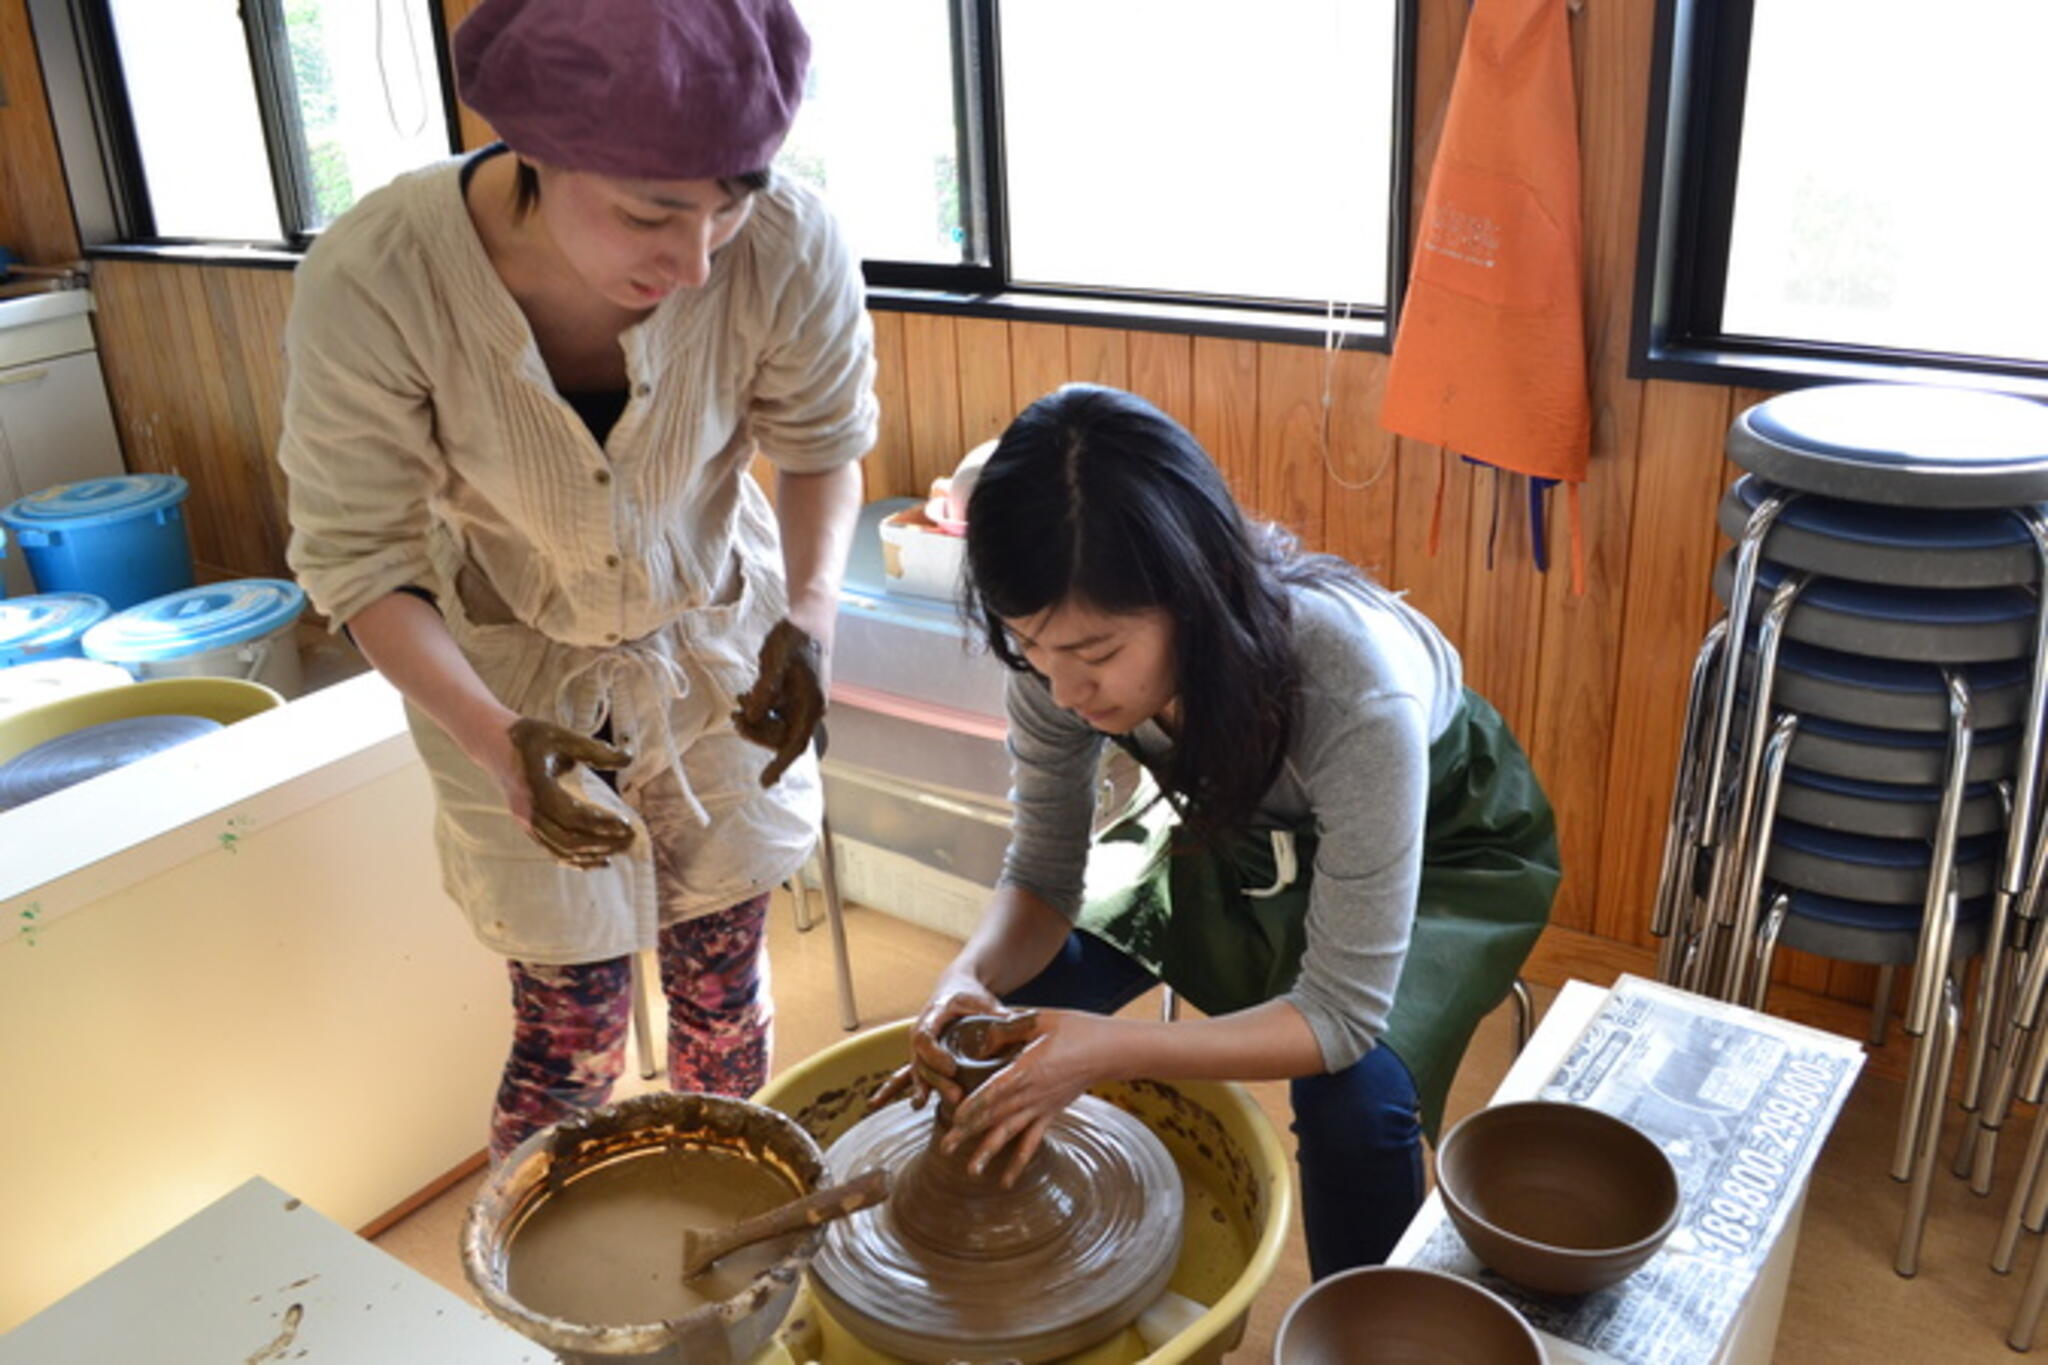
240, 629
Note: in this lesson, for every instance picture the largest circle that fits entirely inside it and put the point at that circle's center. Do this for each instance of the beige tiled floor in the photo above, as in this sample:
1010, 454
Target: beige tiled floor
1845, 1303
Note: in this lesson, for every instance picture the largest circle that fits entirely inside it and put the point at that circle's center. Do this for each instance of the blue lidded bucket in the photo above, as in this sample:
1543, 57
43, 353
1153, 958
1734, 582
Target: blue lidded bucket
121, 539
244, 628
50, 626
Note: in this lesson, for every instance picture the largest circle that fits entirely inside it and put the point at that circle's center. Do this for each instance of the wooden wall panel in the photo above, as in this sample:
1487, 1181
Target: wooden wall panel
931, 395
891, 467
986, 405
1291, 439
1225, 416
1578, 670
1359, 506
35, 205
1163, 371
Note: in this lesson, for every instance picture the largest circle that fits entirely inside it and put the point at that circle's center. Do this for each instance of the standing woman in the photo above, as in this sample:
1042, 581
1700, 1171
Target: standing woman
525, 390
1351, 857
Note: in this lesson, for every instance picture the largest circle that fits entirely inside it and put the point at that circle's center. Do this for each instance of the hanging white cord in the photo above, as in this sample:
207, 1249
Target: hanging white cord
1330, 352
412, 51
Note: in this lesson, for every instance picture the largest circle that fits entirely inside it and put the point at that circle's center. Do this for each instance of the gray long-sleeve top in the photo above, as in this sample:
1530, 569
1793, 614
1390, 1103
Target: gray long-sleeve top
1379, 683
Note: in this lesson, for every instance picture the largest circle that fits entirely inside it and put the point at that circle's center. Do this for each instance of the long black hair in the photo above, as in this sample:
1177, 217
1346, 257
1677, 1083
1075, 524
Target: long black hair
1095, 496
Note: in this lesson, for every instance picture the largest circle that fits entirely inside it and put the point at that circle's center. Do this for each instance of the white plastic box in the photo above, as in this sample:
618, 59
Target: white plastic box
918, 557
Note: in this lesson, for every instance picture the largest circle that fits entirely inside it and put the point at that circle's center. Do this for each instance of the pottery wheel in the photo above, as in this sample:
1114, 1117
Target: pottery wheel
954, 1266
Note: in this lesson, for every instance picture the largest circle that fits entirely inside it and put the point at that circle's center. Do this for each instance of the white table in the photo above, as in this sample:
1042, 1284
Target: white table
1753, 1333
259, 1276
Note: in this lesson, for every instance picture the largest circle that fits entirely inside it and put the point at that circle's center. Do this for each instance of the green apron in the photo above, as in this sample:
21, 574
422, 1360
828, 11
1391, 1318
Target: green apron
1226, 928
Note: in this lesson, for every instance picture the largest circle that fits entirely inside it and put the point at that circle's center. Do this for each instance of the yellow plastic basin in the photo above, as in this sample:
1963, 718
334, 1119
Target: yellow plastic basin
226, 700
1239, 1195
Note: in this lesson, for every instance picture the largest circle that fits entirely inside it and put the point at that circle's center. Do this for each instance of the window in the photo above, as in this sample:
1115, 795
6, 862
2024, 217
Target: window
1134, 151
1845, 188
254, 120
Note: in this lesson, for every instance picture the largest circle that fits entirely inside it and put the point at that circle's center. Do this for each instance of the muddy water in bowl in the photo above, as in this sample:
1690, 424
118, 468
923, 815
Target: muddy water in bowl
576, 1239
609, 1255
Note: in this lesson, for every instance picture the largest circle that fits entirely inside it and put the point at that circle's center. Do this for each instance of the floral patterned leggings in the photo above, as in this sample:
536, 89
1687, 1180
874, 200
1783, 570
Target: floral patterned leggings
569, 1022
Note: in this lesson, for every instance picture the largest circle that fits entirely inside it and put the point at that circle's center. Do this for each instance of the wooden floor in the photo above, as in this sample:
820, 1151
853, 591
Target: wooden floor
1845, 1302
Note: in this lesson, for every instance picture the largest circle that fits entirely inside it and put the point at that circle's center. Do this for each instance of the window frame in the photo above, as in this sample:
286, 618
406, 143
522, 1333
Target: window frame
110, 193
103, 161
1698, 82
988, 288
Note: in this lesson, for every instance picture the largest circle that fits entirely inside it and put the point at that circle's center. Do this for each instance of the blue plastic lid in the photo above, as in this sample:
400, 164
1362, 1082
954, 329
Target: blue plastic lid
92, 502
30, 626
192, 621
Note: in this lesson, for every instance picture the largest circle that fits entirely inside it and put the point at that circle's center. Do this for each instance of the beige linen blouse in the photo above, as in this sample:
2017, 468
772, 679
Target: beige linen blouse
426, 444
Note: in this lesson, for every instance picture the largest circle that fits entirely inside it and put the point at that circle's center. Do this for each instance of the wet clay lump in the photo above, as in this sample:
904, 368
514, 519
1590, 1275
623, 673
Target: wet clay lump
956, 1266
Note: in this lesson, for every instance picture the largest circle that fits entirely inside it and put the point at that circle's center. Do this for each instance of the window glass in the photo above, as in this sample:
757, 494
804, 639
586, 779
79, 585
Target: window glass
368, 93
1201, 146
877, 135
1890, 190
186, 67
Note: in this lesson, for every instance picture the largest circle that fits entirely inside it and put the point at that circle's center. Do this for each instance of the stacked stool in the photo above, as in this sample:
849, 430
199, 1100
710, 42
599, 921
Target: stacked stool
1861, 759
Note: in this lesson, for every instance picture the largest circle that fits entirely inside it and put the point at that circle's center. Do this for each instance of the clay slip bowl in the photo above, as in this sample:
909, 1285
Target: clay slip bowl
1557, 1197
1393, 1315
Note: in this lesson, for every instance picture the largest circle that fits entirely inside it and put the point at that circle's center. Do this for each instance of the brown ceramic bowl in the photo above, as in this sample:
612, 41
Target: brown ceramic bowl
1557, 1197
1392, 1315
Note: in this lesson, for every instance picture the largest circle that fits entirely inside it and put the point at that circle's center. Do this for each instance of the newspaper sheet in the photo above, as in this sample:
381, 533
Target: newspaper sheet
1741, 1103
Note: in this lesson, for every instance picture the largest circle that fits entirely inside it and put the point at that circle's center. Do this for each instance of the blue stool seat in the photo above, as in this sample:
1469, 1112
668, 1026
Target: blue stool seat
1926, 625
1905, 445
1864, 931
1884, 810
1892, 694
1857, 867
1916, 547
1915, 758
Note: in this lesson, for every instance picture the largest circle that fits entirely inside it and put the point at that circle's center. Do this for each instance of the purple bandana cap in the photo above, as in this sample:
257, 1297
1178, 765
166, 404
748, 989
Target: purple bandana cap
640, 89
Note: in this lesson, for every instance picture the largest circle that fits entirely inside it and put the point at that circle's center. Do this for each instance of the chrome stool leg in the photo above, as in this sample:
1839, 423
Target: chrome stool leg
1672, 915
835, 917
1169, 1004
1756, 841
646, 970
1881, 1007
1731, 864
1766, 949
2023, 1193
1948, 1019
2023, 1020
1525, 1013
1931, 974
800, 901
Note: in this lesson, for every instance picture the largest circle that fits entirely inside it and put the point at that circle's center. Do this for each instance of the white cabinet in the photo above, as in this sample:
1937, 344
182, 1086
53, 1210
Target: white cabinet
55, 423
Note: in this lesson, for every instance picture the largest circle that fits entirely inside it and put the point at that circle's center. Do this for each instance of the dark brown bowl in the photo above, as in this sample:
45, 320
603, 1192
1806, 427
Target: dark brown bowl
1393, 1315
1557, 1197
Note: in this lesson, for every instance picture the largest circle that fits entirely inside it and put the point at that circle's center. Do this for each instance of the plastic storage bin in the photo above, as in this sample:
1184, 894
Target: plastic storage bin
244, 628
27, 686
48, 626
120, 539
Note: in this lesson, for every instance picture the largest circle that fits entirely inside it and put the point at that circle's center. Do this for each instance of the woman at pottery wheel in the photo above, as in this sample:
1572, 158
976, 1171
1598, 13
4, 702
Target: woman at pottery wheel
526, 387
1347, 857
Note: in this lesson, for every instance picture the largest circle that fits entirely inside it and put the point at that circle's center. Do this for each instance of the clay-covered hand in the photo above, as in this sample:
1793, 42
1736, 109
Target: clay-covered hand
1069, 1051
930, 1069
575, 831
782, 709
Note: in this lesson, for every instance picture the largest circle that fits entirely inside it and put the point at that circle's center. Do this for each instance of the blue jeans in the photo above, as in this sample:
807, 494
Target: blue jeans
1358, 1132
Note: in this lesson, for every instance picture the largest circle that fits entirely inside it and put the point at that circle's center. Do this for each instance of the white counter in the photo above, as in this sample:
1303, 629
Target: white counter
233, 956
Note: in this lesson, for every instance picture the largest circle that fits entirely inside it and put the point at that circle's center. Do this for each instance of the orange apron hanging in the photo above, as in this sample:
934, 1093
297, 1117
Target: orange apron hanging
1490, 356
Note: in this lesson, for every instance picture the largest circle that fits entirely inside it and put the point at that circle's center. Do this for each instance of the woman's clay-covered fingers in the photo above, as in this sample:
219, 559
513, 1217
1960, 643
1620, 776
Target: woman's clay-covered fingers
1008, 1030
782, 709
574, 830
